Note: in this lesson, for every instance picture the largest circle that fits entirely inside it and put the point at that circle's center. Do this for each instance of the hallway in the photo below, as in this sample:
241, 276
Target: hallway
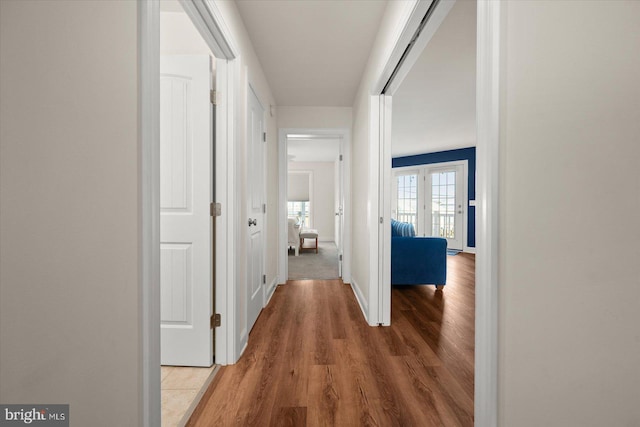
312, 360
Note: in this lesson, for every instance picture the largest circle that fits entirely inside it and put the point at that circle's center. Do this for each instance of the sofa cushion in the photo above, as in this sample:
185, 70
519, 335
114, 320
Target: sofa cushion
402, 229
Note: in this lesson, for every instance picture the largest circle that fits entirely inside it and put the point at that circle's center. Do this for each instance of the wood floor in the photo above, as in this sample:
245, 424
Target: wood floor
312, 360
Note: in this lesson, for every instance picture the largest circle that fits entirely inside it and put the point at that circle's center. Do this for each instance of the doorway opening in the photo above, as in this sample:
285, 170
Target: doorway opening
427, 110
187, 236
313, 204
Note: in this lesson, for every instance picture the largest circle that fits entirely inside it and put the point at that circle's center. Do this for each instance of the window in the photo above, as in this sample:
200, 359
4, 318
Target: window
407, 200
300, 210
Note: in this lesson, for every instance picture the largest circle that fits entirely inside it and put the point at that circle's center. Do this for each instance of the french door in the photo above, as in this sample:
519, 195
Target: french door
408, 203
445, 204
432, 198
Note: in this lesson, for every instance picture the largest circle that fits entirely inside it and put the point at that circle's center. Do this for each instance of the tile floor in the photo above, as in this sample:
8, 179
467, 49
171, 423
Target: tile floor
181, 386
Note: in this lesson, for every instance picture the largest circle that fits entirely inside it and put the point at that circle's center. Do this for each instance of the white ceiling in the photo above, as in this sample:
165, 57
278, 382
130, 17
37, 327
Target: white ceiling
434, 107
313, 52
313, 150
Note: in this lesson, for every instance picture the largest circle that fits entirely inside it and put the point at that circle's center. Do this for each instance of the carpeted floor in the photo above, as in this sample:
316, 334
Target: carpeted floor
312, 265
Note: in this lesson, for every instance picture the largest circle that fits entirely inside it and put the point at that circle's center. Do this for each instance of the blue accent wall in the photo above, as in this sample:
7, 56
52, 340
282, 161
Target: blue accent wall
450, 156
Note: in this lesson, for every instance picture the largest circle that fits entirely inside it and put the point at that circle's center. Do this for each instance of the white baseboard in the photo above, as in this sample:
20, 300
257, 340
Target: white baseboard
271, 290
469, 250
244, 347
364, 306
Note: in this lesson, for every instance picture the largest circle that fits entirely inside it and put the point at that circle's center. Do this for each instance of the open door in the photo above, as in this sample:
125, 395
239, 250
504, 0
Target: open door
186, 193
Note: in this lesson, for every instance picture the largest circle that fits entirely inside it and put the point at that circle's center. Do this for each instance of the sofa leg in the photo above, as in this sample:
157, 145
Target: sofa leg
439, 287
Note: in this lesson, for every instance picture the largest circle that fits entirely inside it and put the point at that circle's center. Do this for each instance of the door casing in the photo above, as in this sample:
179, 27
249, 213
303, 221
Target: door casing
488, 86
208, 20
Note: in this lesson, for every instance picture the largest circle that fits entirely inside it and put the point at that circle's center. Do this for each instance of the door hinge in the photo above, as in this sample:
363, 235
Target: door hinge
214, 97
216, 320
340, 157
340, 257
215, 209
264, 137
381, 220
264, 279
264, 208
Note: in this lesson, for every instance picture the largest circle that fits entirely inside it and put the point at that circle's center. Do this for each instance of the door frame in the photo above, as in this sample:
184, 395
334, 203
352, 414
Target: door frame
208, 21
345, 148
488, 87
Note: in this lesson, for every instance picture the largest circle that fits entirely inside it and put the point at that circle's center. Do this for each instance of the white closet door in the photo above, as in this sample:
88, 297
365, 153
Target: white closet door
186, 189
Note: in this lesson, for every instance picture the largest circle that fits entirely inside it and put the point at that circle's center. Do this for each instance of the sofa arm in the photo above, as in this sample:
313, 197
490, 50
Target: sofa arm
418, 260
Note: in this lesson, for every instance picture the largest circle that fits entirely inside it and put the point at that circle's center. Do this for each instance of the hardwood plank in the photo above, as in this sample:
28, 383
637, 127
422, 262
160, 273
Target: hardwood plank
321, 325
289, 417
323, 396
355, 390
293, 388
419, 394
313, 360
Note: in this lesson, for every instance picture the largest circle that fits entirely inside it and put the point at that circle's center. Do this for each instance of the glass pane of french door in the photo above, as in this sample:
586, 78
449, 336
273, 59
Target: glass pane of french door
443, 204
407, 199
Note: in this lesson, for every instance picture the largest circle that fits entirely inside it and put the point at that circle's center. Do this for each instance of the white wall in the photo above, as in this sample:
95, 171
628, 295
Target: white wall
248, 71
569, 229
314, 117
364, 189
322, 195
69, 208
178, 35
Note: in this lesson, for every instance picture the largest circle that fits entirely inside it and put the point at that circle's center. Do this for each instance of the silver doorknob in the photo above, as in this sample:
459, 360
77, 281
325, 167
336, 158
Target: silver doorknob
253, 222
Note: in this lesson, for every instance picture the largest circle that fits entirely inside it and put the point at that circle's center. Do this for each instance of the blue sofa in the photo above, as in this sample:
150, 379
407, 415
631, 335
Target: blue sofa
416, 260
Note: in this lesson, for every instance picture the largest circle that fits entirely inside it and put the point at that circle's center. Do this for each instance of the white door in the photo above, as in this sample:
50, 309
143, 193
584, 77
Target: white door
186, 188
255, 209
445, 195
339, 210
